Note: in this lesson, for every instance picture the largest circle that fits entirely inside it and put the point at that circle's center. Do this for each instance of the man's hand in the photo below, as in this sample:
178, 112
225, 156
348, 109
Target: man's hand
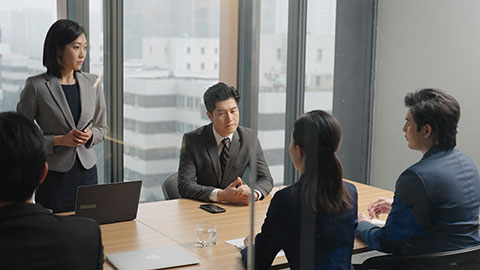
363, 217
380, 206
236, 192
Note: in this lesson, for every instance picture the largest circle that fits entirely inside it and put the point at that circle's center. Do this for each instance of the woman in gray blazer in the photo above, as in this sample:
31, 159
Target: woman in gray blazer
69, 106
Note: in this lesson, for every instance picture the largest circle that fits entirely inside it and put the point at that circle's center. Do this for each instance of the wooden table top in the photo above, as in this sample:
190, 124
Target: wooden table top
174, 222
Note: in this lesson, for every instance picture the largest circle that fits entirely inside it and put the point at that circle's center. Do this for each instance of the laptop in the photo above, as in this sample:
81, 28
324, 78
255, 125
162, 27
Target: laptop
156, 258
109, 203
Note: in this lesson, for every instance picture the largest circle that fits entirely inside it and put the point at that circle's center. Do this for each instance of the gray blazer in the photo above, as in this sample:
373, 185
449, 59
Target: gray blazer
199, 169
43, 100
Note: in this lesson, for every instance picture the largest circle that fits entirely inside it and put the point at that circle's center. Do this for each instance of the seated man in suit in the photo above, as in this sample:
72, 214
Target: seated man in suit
436, 202
31, 237
214, 157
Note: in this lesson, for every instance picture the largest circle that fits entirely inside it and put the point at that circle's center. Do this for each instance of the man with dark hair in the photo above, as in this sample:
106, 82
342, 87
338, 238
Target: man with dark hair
436, 203
214, 157
31, 237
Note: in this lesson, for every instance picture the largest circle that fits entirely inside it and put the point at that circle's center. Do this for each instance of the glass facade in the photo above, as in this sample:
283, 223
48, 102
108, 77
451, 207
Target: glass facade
23, 26
171, 56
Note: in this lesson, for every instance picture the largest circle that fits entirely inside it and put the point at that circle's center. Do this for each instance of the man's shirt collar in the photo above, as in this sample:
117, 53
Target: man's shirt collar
219, 138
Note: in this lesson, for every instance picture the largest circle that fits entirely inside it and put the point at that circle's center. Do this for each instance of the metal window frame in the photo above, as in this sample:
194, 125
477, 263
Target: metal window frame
113, 82
248, 85
295, 92
354, 76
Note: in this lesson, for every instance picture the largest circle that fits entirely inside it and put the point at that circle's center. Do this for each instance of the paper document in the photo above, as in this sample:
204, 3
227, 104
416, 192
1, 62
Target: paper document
238, 243
378, 222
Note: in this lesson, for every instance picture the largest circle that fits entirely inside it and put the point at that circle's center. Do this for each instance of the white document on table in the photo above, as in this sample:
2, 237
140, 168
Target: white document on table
238, 243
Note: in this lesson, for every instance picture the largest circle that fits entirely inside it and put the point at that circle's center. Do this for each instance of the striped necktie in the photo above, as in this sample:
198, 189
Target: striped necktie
224, 154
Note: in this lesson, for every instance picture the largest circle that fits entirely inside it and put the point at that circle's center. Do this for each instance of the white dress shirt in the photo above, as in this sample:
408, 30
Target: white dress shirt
213, 195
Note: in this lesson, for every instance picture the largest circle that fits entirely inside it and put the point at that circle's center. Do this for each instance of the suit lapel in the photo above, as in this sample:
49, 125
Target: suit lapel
233, 153
213, 151
53, 85
85, 95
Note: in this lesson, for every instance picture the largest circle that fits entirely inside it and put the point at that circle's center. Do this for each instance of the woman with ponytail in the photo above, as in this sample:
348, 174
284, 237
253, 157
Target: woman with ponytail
313, 220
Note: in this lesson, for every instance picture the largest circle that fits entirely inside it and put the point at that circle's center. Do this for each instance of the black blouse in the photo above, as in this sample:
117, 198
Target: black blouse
72, 93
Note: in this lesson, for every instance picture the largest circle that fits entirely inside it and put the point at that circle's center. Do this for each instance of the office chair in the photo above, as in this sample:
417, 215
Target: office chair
464, 259
170, 187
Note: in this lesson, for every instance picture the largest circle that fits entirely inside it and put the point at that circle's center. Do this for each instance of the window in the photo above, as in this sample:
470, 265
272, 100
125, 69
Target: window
272, 84
215, 66
95, 51
166, 94
23, 26
320, 54
202, 50
216, 50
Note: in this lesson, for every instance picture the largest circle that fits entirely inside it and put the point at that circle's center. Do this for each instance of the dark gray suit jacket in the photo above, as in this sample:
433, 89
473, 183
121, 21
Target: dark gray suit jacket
43, 100
31, 237
199, 169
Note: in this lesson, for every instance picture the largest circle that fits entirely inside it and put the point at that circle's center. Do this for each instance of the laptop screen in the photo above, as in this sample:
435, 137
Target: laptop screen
109, 203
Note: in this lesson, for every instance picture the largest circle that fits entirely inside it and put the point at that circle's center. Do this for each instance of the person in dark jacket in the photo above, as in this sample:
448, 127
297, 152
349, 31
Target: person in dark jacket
436, 201
31, 237
313, 220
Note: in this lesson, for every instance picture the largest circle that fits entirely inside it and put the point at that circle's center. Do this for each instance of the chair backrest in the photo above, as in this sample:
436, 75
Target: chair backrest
170, 187
465, 259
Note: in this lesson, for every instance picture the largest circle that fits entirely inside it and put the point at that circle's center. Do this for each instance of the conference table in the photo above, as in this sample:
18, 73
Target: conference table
173, 222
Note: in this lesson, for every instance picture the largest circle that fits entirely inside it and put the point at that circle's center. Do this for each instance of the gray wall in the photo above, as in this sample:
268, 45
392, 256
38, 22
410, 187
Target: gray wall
423, 43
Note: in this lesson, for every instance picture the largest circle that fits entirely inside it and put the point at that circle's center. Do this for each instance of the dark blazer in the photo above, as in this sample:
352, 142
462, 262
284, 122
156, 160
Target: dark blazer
199, 169
43, 100
310, 240
435, 207
33, 238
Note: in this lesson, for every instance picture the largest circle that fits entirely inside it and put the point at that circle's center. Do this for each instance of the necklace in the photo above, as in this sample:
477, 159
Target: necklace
69, 82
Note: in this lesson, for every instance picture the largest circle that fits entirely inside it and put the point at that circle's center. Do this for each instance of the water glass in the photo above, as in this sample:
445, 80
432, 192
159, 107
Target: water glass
207, 234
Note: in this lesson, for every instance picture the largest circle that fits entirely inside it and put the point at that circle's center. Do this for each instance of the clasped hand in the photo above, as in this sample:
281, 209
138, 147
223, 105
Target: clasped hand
76, 137
379, 206
237, 192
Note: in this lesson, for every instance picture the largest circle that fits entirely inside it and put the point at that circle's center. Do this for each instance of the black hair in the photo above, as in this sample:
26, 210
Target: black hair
219, 92
437, 109
22, 157
61, 33
318, 134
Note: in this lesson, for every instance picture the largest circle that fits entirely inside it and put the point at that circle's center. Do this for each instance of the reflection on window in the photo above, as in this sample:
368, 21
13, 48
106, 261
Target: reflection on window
320, 55
168, 84
95, 47
272, 80
23, 27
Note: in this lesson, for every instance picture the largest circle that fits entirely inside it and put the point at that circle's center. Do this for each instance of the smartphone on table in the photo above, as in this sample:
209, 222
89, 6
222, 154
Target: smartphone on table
212, 208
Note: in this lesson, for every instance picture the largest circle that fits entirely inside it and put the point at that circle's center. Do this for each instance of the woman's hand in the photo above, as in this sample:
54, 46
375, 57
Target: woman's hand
83, 136
73, 138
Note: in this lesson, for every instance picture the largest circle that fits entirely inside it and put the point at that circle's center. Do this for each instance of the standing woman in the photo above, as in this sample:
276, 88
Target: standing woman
313, 220
69, 107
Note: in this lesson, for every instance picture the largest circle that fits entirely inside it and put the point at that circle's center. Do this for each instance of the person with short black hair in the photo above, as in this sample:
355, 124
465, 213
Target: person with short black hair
436, 203
314, 219
69, 107
31, 236
214, 157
